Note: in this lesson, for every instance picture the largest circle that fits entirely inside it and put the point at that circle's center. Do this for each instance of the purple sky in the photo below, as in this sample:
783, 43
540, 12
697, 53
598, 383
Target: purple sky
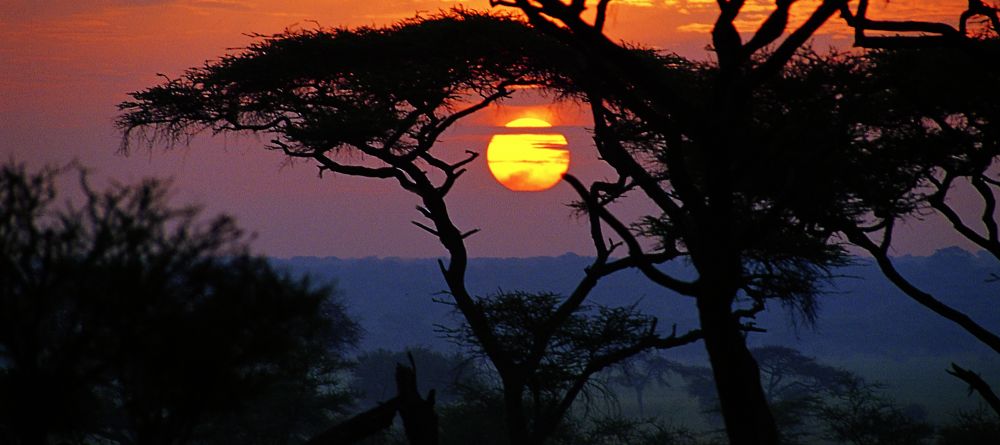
64, 65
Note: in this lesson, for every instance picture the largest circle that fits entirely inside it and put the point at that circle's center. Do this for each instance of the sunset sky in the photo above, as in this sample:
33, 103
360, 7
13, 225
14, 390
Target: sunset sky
65, 64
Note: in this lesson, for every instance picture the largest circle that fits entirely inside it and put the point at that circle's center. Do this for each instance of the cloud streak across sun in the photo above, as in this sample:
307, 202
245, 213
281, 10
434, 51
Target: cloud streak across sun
530, 160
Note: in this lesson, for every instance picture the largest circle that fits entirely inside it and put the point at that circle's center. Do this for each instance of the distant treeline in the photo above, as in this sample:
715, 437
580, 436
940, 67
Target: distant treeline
861, 312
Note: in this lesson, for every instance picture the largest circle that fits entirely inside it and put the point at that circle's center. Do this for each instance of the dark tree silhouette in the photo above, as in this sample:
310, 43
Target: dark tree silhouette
756, 162
321, 96
130, 321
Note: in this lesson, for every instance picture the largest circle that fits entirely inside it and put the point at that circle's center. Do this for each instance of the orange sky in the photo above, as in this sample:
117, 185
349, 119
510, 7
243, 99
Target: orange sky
64, 64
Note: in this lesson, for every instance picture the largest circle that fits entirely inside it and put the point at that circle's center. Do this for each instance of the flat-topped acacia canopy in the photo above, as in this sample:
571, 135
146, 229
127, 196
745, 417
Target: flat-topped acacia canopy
390, 89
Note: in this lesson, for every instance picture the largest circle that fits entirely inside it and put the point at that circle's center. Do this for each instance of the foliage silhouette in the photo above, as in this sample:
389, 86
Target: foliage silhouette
126, 320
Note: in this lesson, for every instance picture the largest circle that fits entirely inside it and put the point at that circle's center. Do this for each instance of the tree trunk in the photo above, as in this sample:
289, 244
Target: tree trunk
517, 428
420, 421
745, 411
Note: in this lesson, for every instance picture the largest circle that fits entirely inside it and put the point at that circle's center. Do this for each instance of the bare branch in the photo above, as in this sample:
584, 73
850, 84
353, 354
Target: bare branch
939, 202
988, 216
772, 28
635, 250
725, 38
405, 126
976, 383
622, 161
427, 229
860, 239
790, 45
452, 171
751, 312
354, 170
423, 211
435, 132
602, 13
932, 33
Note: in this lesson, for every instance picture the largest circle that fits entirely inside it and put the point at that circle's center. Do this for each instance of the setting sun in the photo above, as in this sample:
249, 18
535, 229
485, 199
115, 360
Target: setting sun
528, 162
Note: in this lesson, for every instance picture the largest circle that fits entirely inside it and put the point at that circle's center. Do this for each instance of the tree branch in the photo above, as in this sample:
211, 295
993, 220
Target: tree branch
938, 201
770, 30
601, 16
790, 45
976, 383
858, 238
354, 170
935, 33
635, 250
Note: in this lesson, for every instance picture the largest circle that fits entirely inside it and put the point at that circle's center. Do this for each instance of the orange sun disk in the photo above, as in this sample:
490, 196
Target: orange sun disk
528, 162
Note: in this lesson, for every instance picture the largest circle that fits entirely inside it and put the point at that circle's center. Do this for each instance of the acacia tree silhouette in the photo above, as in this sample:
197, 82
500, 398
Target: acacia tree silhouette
756, 162
320, 95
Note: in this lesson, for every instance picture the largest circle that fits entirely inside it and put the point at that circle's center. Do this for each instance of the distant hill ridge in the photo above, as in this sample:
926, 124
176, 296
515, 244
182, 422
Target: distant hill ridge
860, 313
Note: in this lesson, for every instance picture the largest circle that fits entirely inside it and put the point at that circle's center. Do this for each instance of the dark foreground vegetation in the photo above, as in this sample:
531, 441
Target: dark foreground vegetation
126, 320
139, 323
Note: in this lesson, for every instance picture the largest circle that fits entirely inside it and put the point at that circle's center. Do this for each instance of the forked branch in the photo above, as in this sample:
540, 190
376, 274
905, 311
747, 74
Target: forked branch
923, 33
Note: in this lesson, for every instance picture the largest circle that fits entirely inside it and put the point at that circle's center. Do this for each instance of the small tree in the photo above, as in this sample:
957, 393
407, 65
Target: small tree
641, 371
